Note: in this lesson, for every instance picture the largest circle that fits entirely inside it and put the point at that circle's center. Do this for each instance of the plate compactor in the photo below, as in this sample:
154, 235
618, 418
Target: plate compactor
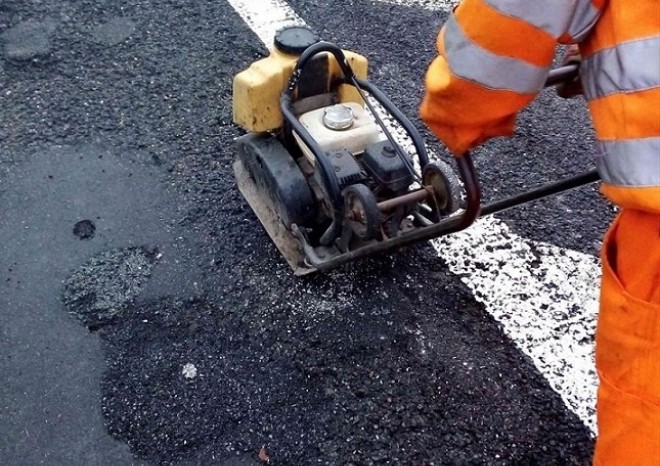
325, 176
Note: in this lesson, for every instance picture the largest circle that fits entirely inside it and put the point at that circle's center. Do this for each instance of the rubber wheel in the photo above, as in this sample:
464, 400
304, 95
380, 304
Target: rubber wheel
361, 211
446, 190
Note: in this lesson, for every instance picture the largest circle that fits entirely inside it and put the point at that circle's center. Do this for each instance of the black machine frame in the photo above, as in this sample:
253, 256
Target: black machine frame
315, 260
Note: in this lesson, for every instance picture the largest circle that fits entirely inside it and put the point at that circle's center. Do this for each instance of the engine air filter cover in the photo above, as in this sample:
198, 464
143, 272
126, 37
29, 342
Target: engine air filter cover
385, 165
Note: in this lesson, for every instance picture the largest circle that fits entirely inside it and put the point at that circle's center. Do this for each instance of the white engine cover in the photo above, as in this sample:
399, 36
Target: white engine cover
355, 139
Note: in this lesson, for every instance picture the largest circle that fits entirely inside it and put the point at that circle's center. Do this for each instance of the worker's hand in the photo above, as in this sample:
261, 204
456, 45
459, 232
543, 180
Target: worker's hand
573, 87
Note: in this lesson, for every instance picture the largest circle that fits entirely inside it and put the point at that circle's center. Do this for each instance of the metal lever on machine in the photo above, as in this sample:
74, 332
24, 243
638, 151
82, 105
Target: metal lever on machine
466, 171
555, 76
562, 74
468, 176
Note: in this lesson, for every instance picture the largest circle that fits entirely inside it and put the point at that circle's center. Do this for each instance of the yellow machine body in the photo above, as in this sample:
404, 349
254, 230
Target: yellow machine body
257, 90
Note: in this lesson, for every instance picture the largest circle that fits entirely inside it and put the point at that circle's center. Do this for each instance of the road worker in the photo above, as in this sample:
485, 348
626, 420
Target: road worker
493, 59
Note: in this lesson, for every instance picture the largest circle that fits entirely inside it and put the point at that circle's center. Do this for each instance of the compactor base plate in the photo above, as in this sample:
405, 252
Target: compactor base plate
264, 209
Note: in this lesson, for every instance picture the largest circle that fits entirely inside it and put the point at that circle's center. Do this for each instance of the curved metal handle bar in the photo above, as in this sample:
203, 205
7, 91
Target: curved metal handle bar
403, 120
562, 74
328, 174
286, 102
310, 53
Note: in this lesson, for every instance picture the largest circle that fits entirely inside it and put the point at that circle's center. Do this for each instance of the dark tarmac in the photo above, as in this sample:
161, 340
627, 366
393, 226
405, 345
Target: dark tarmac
146, 318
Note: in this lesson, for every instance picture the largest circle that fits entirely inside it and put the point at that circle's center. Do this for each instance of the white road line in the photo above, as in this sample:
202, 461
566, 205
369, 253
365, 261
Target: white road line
545, 297
426, 4
265, 17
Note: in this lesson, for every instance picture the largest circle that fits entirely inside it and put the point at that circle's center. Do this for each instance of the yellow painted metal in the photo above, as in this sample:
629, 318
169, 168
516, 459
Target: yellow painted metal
257, 90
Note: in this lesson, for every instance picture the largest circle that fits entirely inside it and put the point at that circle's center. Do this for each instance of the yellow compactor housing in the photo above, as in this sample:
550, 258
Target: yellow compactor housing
257, 90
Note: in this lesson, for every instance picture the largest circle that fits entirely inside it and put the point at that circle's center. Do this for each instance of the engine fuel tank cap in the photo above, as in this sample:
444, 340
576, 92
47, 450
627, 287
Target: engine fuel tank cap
294, 40
338, 117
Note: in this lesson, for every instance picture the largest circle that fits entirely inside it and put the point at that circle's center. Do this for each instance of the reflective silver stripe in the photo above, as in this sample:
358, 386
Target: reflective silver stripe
630, 162
469, 61
584, 16
628, 67
555, 17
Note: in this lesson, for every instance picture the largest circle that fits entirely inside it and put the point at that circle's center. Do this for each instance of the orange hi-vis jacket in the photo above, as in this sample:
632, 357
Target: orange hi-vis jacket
494, 56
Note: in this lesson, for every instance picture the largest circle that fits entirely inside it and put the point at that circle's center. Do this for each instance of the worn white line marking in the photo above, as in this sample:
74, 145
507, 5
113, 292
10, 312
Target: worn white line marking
545, 297
265, 17
426, 4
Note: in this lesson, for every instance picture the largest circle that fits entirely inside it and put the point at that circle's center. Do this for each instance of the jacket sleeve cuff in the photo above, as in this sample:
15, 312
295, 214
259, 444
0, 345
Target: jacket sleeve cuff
461, 138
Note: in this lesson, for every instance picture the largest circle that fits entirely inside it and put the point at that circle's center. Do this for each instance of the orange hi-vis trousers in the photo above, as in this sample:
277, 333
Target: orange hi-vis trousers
628, 343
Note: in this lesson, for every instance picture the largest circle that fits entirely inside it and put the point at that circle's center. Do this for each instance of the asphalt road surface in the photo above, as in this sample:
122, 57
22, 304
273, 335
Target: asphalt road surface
146, 318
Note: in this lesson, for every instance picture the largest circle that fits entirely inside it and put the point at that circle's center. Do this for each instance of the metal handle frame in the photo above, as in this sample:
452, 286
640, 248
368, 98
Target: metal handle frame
329, 177
465, 164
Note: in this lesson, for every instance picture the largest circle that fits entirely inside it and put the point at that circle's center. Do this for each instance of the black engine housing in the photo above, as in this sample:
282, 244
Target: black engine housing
385, 166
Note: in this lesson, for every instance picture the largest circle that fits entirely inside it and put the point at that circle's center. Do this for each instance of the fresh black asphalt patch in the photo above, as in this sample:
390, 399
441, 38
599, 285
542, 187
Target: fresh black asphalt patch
347, 376
101, 290
28, 40
204, 347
